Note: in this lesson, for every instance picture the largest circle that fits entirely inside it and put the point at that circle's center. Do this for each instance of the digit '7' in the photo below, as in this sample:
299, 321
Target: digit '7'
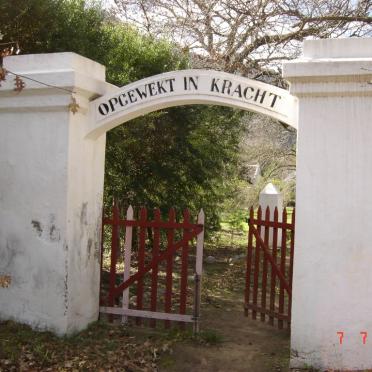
364, 337
341, 334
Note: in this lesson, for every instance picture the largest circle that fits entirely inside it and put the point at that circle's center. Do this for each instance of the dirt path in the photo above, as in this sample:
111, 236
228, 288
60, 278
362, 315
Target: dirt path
247, 345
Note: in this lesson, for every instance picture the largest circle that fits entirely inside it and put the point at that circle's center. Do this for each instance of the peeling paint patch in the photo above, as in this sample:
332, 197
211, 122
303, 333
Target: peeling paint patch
9, 255
37, 226
90, 243
5, 281
54, 234
97, 251
84, 214
98, 242
65, 295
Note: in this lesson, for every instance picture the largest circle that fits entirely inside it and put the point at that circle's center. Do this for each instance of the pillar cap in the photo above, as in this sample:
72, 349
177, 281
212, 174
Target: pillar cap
53, 62
352, 47
50, 80
336, 58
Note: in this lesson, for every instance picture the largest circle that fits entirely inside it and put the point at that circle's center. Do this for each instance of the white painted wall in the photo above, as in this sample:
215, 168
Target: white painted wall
332, 288
51, 182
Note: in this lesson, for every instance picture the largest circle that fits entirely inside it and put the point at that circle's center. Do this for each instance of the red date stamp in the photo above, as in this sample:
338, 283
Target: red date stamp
341, 334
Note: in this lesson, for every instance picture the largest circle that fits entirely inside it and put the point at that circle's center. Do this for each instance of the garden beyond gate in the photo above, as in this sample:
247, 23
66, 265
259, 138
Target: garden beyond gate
150, 256
269, 272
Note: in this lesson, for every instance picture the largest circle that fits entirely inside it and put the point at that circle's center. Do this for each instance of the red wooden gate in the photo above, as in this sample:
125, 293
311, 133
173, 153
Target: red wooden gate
269, 270
156, 245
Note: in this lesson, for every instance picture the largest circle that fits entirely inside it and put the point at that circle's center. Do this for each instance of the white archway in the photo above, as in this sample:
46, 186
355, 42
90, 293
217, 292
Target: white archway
186, 87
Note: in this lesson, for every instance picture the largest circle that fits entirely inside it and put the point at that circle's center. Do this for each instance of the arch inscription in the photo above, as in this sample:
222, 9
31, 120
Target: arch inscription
186, 87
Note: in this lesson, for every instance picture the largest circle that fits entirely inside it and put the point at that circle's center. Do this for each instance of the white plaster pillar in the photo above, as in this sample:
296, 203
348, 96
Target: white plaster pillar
332, 285
51, 184
271, 197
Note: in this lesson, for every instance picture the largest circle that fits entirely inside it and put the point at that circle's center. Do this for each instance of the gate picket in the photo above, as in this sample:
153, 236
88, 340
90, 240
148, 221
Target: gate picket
249, 262
169, 270
256, 266
127, 261
141, 261
155, 270
273, 278
264, 266
281, 272
283, 254
184, 266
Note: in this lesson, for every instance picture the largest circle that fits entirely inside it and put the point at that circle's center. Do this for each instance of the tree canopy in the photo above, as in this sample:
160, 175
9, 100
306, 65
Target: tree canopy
249, 37
181, 157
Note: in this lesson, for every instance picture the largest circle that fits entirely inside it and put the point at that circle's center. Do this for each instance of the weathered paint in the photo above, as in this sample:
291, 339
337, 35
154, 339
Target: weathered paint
51, 182
332, 289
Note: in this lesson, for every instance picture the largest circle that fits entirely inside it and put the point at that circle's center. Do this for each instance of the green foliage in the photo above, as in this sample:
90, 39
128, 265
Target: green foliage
181, 157
42, 26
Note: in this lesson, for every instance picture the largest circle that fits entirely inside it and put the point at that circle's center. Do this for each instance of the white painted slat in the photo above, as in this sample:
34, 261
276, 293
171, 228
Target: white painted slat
200, 245
127, 260
145, 314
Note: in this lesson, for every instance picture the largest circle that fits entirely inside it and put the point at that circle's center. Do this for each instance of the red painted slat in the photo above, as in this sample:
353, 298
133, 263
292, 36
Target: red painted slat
154, 274
249, 262
141, 261
169, 269
283, 253
184, 266
114, 254
273, 276
264, 268
256, 264
291, 261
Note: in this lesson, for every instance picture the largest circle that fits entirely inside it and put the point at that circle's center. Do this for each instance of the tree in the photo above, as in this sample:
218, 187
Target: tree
248, 37
186, 157
182, 157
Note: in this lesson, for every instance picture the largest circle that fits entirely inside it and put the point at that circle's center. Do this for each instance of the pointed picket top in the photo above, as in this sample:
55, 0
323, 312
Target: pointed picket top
276, 214
143, 213
267, 214
130, 213
186, 215
115, 209
201, 217
251, 215
172, 214
284, 215
270, 189
157, 214
259, 212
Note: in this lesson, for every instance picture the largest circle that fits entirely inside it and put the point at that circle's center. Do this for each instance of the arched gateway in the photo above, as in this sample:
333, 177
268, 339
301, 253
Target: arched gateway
52, 170
190, 87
